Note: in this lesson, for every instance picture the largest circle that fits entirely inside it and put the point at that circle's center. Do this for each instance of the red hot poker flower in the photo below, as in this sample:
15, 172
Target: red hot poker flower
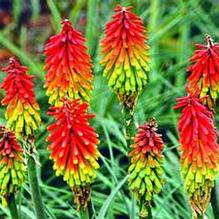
200, 151
22, 111
204, 70
146, 169
12, 168
68, 66
73, 146
125, 55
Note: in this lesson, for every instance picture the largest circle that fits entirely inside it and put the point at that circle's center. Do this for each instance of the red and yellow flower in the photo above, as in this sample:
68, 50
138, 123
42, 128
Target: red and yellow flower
12, 168
125, 55
73, 146
146, 170
68, 66
22, 111
200, 151
204, 71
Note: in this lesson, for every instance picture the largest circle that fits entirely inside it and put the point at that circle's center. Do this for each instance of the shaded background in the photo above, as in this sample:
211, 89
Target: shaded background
174, 26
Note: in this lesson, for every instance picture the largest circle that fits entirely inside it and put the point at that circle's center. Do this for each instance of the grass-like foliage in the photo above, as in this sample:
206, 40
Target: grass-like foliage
173, 28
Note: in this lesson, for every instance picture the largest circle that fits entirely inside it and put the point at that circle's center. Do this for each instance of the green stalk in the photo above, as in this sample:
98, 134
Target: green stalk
35, 190
13, 207
215, 199
84, 214
128, 127
201, 216
145, 210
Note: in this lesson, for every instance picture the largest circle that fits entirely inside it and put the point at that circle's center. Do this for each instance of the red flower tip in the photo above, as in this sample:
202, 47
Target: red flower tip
22, 111
8, 143
12, 167
73, 143
119, 8
190, 99
147, 140
66, 24
204, 71
209, 40
196, 127
17, 82
68, 66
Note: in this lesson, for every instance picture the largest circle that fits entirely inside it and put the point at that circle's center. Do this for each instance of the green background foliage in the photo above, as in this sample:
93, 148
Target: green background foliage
174, 26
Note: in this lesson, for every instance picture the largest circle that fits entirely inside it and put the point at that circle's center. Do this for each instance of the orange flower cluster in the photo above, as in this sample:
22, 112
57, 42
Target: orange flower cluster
204, 71
146, 169
73, 146
125, 55
68, 66
22, 111
12, 167
200, 151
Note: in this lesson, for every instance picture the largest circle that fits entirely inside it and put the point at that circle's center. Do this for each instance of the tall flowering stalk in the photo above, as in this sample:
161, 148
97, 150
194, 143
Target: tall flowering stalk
73, 146
22, 114
68, 66
12, 167
200, 151
204, 71
125, 55
146, 169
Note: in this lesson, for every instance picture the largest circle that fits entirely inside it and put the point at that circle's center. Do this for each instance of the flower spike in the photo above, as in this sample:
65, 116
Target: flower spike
22, 111
73, 146
200, 151
146, 170
125, 55
12, 168
204, 71
68, 66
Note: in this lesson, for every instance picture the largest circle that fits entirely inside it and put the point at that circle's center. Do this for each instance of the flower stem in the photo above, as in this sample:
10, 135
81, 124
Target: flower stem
201, 216
84, 214
215, 199
145, 210
35, 190
13, 207
128, 127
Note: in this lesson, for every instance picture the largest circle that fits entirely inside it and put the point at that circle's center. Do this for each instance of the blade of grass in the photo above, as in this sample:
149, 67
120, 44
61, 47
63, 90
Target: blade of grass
16, 10
116, 182
91, 12
75, 12
35, 6
152, 28
56, 16
183, 42
110, 198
